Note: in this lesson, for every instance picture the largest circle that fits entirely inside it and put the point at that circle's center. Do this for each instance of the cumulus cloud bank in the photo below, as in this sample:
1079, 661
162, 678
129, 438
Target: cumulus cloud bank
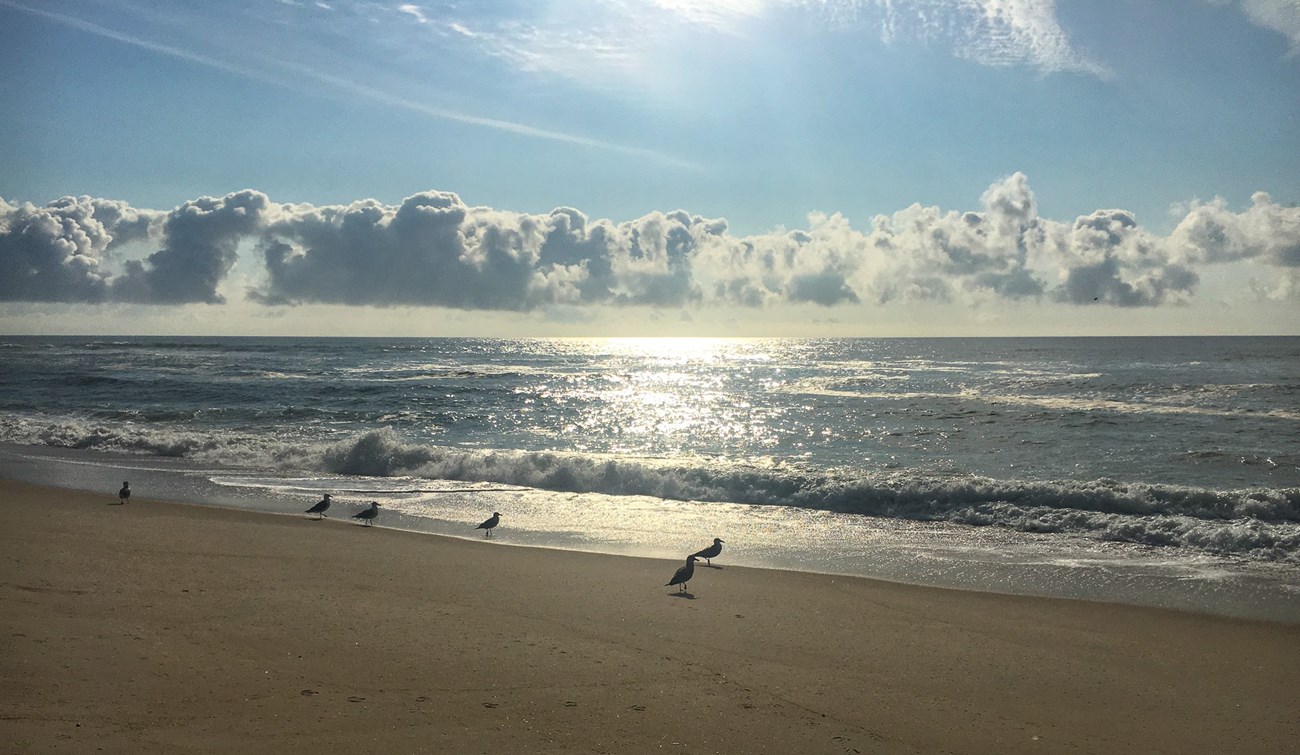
434, 250
58, 252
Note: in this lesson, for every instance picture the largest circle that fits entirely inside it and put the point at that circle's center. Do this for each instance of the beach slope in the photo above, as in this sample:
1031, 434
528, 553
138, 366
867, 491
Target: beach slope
152, 627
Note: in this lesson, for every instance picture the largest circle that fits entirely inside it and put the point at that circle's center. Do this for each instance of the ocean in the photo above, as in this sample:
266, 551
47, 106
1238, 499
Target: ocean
1155, 471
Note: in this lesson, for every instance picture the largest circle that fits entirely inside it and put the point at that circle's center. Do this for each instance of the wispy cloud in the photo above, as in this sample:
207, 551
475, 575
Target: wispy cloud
719, 14
1281, 16
461, 30
415, 12
175, 52
623, 38
298, 76
998, 33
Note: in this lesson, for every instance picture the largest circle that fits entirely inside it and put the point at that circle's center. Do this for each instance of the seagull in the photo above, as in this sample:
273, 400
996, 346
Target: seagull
368, 515
712, 551
490, 523
319, 508
683, 574
124, 495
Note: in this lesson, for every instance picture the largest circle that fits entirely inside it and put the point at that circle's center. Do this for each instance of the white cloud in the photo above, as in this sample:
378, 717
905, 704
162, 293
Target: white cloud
1107, 258
719, 14
1284, 286
58, 252
925, 253
200, 243
608, 43
434, 250
1211, 232
414, 11
989, 32
461, 30
1281, 16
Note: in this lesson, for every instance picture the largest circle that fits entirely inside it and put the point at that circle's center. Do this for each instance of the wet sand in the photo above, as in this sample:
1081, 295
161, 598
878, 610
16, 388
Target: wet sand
159, 627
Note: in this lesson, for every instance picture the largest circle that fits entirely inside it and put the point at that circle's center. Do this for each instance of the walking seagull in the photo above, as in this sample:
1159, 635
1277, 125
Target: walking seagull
368, 515
124, 495
319, 508
489, 524
683, 574
712, 551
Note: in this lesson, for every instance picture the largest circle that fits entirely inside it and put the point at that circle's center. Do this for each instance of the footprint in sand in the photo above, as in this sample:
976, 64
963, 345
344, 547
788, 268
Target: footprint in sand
490, 705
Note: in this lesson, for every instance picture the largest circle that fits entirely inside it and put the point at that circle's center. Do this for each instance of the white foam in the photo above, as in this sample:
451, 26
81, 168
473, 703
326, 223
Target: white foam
1261, 524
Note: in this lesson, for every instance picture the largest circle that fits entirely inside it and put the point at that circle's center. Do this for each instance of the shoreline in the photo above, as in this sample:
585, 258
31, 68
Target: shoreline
154, 626
981, 559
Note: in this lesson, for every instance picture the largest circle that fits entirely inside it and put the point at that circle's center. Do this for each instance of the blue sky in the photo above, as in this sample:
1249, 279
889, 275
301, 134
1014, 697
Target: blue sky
827, 118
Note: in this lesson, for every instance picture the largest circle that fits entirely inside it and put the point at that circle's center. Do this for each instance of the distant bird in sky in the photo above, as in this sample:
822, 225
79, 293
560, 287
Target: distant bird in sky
490, 523
124, 495
368, 515
683, 574
319, 508
712, 551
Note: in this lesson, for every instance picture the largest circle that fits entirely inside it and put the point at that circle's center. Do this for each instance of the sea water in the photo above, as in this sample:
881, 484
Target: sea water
1161, 471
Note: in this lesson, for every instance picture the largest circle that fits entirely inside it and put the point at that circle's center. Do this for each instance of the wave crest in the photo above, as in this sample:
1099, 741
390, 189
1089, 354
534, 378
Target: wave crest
1256, 523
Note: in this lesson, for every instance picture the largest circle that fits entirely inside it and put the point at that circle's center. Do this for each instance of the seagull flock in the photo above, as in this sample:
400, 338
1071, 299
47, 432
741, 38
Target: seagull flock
680, 578
366, 516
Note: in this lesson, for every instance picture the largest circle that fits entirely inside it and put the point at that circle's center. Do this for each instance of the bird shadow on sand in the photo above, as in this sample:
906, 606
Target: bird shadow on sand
707, 566
686, 595
119, 503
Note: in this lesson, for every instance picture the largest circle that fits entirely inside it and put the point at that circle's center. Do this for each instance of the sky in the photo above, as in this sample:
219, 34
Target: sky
650, 167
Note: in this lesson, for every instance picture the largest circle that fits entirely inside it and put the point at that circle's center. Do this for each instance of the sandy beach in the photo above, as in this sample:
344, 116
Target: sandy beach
160, 627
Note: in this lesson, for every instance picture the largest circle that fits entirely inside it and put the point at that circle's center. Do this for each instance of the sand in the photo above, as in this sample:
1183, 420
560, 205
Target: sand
159, 627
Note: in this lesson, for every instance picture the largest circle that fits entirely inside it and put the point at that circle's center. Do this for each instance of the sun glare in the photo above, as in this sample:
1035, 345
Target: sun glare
683, 349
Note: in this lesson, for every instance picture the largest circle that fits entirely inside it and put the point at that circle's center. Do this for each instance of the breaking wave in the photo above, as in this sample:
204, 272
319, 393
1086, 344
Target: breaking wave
1258, 523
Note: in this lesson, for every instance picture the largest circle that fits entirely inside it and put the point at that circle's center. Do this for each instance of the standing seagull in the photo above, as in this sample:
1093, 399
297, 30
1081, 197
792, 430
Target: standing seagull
124, 495
319, 508
489, 524
712, 551
683, 574
369, 514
